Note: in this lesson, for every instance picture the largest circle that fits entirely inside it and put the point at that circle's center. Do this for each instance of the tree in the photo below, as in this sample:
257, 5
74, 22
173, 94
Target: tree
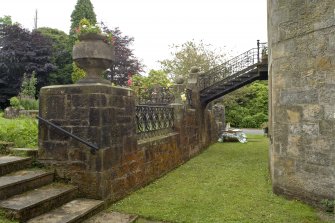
155, 77
125, 64
83, 9
6, 20
191, 54
248, 106
61, 55
22, 51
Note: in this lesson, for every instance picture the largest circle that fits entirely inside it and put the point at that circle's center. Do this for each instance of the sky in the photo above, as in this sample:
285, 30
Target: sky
231, 27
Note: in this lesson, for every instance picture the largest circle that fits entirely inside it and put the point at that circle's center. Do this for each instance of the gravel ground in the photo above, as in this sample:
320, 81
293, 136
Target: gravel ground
253, 131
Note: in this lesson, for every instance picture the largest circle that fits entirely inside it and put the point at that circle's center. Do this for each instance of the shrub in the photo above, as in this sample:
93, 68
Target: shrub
14, 102
248, 122
21, 131
28, 87
26, 103
29, 103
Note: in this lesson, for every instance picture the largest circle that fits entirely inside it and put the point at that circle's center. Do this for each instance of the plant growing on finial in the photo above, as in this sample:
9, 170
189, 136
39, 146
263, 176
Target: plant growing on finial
85, 28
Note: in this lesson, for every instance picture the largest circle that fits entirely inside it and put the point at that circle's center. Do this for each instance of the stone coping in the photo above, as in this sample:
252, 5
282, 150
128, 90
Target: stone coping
156, 138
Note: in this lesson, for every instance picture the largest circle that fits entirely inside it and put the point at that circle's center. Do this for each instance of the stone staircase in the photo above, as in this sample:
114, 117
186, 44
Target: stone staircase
31, 195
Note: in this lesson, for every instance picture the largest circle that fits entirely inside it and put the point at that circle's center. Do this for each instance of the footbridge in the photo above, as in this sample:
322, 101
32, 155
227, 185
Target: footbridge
247, 67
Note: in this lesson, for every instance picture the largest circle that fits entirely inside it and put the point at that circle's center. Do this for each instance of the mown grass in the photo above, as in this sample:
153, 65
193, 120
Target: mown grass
229, 182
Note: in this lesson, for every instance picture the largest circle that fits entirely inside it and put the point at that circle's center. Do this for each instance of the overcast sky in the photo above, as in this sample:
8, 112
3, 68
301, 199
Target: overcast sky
232, 25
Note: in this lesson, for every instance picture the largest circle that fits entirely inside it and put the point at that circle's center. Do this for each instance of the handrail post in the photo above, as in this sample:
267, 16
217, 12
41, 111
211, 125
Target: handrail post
258, 50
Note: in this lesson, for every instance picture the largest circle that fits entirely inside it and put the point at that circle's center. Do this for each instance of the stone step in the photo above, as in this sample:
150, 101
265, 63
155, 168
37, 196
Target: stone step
10, 164
38, 201
71, 212
112, 217
23, 180
31, 152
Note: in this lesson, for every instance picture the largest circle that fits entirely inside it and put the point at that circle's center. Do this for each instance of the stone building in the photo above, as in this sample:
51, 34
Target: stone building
302, 98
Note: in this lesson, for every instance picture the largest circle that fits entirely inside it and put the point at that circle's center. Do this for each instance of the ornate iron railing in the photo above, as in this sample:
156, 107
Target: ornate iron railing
153, 120
241, 62
155, 96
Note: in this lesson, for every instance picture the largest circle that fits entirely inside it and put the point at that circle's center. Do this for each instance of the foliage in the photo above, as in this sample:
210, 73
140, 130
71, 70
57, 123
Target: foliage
14, 102
328, 204
6, 20
248, 106
83, 9
155, 77
125, 64
228, 182
77, 73
22, 131
26, 103
3, 218
29, 103
22, 52
85, 28
27, 94
61, 55
190, 54
140, 83
28, 86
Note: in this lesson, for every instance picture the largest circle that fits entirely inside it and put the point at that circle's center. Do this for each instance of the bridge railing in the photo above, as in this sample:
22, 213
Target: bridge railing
243, 61
156, 95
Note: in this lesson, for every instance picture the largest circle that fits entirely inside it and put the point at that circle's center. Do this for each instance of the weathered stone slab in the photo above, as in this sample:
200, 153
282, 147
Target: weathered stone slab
73, 211
112, 217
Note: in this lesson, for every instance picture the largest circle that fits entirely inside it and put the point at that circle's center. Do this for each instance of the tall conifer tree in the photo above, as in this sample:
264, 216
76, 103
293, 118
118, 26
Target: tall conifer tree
83, 9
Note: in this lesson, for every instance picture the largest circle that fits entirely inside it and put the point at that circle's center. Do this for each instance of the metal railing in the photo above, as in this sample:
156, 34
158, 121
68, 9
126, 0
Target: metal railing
243, 61
93, 147
157, 95
154, 120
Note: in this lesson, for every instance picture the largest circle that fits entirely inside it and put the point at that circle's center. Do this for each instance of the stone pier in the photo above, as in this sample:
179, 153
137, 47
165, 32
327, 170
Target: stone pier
302, 98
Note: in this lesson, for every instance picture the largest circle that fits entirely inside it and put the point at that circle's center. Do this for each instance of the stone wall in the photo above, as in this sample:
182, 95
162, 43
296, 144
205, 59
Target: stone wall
102, 115
105, 115
302, 98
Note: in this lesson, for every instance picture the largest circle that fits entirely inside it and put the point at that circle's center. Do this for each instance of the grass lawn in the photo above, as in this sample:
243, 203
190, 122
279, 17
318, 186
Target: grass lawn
229, 182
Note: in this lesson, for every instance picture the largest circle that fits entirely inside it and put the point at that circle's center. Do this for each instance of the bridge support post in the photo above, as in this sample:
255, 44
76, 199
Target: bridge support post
208, 130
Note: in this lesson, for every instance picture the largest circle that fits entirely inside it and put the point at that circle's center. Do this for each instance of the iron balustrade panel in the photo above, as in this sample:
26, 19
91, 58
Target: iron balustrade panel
155, 96
241, 62
154, 120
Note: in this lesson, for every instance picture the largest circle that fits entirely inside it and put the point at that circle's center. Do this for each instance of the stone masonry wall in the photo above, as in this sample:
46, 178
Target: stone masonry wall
105, 115
302, 98
101, 114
